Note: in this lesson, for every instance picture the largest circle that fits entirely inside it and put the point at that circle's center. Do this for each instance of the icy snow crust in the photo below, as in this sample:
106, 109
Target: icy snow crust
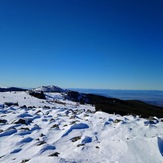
61, 131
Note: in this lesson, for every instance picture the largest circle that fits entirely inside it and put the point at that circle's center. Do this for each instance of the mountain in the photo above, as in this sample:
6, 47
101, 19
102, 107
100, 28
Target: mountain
50, 88
102, 103
11, 89
154, 97
117, 106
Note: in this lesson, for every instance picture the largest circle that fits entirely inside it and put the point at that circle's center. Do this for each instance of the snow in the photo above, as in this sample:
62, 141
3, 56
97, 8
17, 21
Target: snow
160, 145
57, 130
76, 127
50, 88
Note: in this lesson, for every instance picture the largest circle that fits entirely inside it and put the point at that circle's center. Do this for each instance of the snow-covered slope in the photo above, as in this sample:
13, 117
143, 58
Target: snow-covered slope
57, 130
50, 88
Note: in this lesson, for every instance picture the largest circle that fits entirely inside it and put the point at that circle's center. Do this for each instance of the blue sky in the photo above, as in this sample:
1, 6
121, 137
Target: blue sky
115, 44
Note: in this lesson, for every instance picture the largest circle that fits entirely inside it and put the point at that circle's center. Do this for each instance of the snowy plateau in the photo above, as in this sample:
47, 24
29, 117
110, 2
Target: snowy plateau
59, 130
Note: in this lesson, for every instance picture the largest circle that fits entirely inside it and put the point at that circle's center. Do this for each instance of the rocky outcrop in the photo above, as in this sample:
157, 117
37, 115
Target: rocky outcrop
39, 95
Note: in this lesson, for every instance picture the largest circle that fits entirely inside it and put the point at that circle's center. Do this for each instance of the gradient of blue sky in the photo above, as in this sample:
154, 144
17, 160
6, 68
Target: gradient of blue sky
82, 43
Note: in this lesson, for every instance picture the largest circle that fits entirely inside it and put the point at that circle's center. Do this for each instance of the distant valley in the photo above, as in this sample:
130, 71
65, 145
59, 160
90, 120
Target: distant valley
149, 96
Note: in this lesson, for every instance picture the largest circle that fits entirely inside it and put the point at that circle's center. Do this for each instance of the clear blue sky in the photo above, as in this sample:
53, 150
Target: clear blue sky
114, 44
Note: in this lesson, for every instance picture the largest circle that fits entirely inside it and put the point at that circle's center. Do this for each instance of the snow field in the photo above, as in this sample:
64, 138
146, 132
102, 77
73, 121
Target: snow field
59, 130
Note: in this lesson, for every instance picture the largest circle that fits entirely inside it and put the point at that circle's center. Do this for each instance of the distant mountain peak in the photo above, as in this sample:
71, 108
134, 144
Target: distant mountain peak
7, 89
50, 88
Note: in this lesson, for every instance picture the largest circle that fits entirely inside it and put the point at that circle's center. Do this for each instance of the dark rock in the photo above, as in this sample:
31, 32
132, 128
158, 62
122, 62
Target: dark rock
72, 117
2, 156
24, 106
41, 135
39, 111
26, 160
30, 107
25, 128
74, 139
117, 121
39, 95
90, 111
56, 126
11, 104
79, 145
54, 154
46, 107
52, 120
3, 121
41, 143
73, 122
21, 121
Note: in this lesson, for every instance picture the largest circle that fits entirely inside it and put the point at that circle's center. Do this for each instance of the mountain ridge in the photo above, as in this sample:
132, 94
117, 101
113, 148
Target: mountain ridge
8, 89
102, 103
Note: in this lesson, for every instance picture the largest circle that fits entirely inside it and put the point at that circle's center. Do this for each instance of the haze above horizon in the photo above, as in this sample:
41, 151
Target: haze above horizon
82, 44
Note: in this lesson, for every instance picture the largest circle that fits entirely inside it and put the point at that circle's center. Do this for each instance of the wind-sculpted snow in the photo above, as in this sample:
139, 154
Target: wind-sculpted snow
87, 139
8, 132
76, 127
48, 131
25, 140
16, 151
160, 145
46, 148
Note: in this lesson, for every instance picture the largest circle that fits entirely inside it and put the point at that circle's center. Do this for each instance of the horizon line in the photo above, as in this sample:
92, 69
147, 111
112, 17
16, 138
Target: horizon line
117, 89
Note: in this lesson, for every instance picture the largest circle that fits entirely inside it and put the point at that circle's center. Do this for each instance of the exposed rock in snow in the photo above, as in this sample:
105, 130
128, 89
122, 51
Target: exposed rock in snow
66, 131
